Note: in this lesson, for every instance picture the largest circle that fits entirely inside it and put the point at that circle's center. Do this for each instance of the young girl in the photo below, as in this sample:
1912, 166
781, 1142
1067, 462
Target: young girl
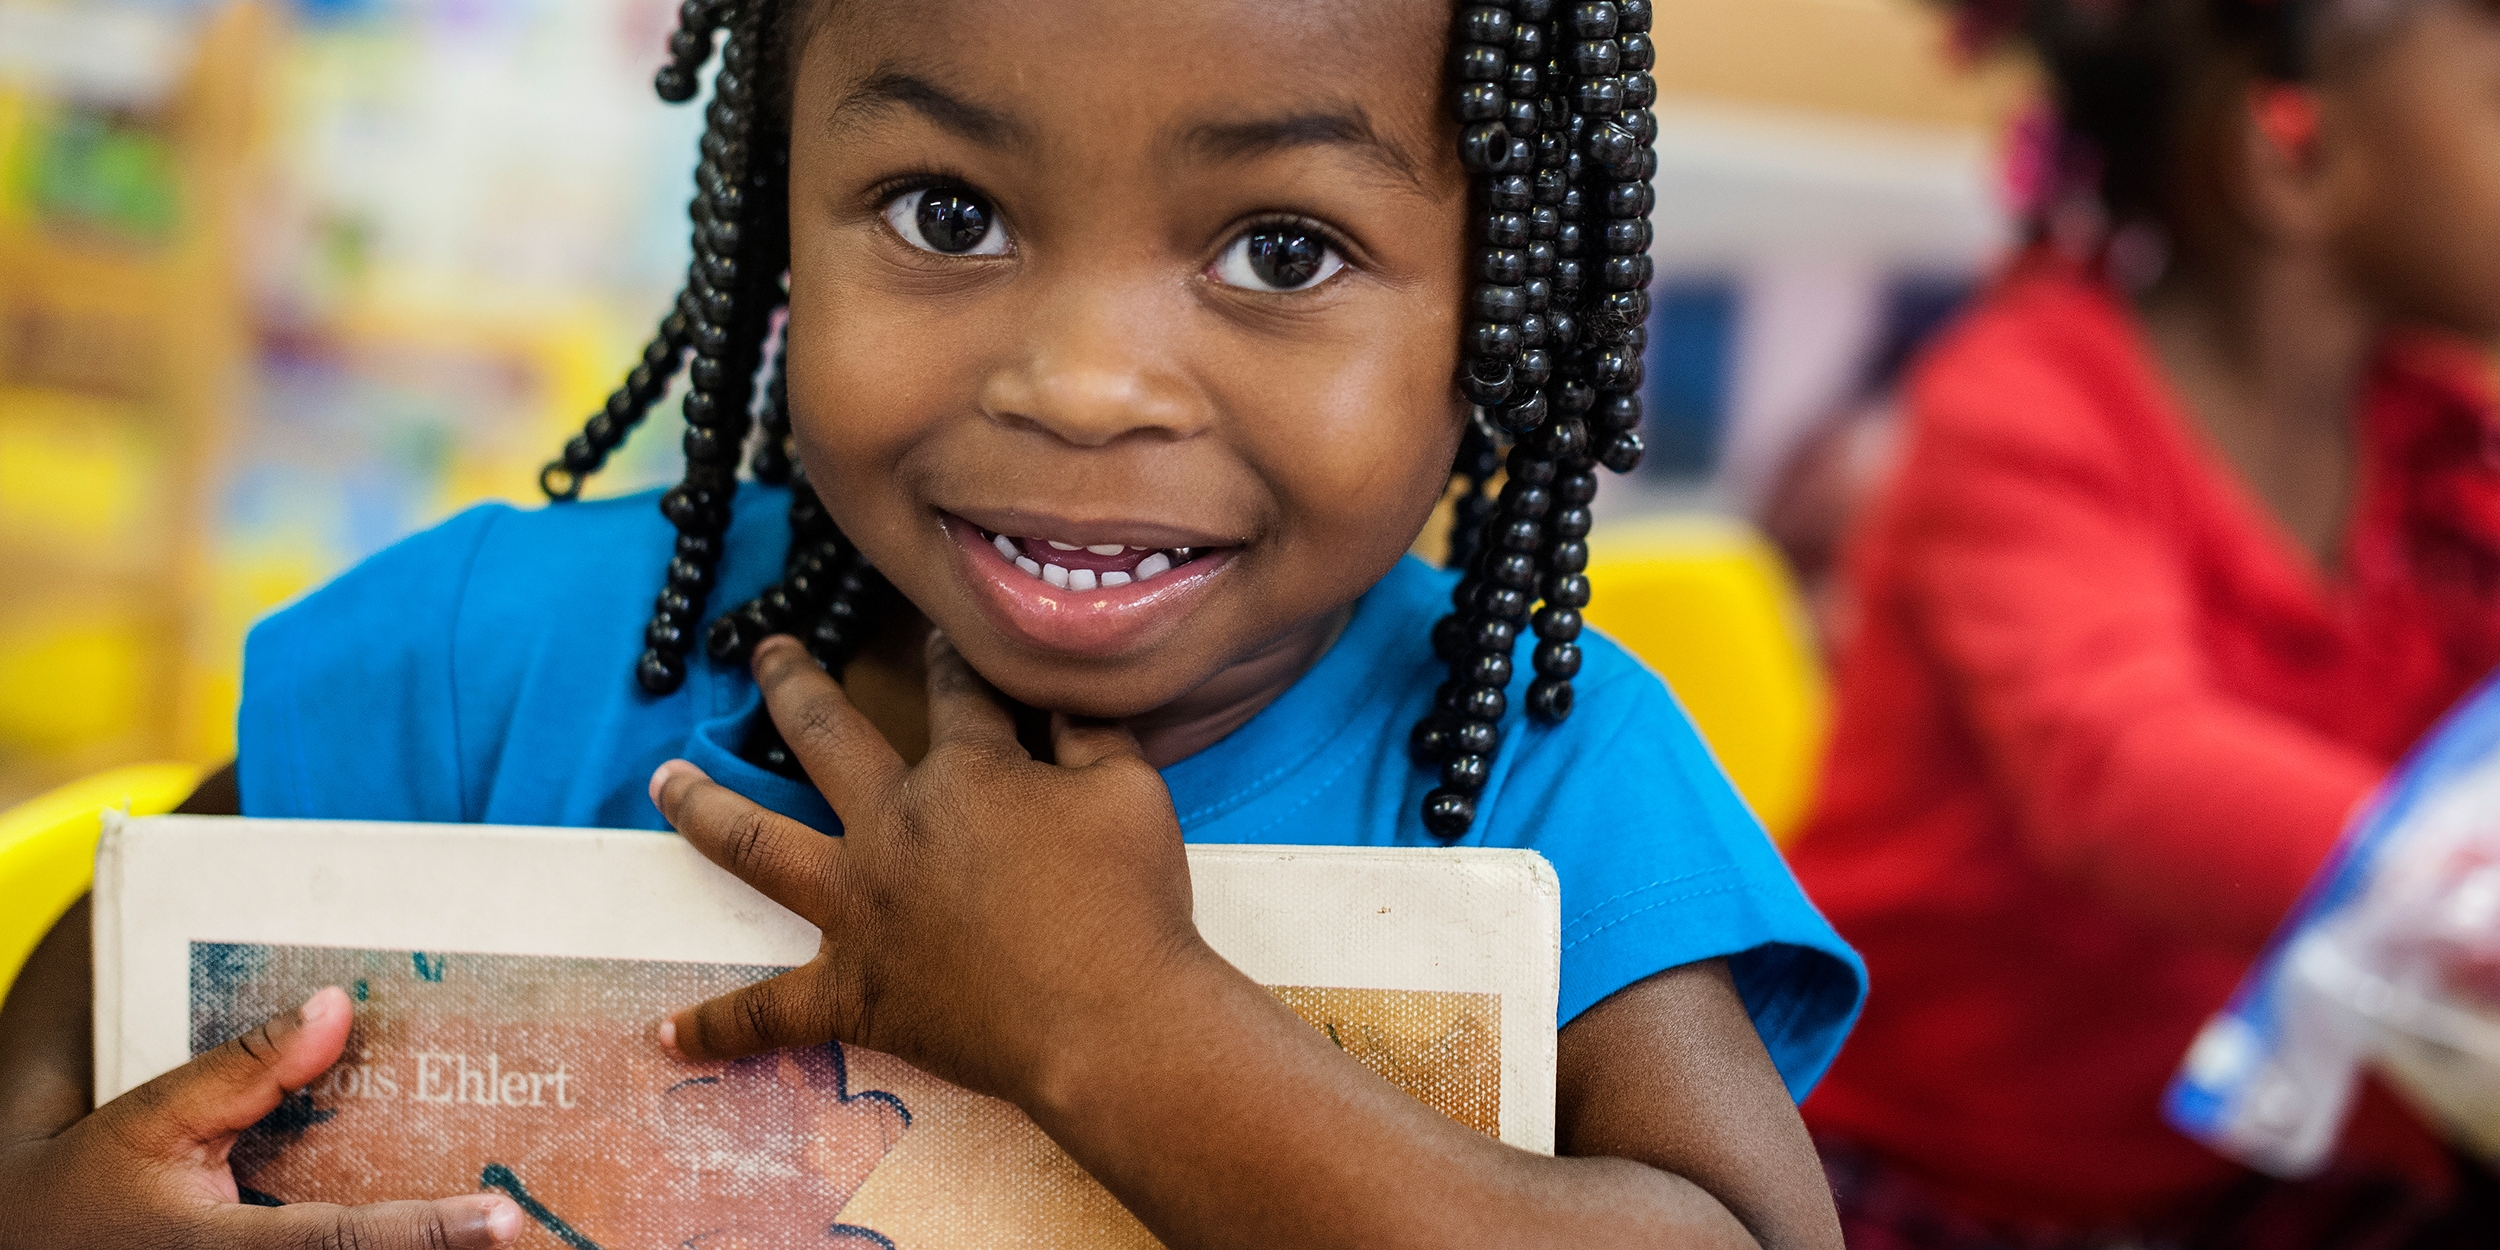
1117, 379
2181, 558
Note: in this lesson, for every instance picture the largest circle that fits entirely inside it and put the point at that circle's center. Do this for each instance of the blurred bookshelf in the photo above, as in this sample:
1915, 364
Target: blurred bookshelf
124, 348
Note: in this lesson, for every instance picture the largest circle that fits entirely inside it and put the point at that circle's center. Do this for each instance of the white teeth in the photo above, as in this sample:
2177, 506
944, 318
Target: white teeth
1080, 579
1029, 565
1153, 566
1055, 575
1106, 549
1057, 545
1006, 546
1114, 578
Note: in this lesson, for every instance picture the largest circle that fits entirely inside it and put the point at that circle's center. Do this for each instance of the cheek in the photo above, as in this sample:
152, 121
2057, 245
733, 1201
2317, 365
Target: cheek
866, 383
2427, 225
1369, 452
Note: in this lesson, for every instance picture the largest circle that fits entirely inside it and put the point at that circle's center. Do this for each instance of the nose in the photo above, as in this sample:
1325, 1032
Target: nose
1100, 364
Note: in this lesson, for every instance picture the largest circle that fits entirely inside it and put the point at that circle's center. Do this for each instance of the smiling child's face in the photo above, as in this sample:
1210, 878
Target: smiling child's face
1176, 286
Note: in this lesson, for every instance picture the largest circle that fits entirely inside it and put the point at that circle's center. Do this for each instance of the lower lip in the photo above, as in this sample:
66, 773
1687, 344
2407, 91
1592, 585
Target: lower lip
1098, 622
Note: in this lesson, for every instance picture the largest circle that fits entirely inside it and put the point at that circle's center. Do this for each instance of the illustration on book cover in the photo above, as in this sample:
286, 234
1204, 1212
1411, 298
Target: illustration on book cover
539, 1077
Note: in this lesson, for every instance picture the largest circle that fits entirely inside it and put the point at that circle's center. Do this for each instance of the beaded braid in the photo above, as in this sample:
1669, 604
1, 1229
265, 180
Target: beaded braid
1554, 105
1556, 131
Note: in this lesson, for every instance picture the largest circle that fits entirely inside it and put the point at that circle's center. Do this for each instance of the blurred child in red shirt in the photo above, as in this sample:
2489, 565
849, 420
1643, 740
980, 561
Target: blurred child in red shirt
2197, 529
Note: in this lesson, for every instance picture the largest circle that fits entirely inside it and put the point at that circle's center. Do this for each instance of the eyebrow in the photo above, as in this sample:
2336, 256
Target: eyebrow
1348, 128
891, 89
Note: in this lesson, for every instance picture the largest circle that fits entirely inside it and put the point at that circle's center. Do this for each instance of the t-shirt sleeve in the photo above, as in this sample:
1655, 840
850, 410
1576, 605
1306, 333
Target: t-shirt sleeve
348, 694
1662, 865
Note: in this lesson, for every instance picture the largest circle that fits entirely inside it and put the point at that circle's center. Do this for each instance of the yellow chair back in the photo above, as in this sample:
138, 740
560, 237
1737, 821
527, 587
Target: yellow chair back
47, 848
1708, 604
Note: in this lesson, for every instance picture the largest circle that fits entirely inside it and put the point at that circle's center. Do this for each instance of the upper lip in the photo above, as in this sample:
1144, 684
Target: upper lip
1034, 523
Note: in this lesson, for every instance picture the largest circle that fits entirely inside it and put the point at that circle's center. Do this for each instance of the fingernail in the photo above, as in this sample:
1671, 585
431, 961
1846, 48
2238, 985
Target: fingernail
659, 778
316, 1008
668, 1039
503, 1221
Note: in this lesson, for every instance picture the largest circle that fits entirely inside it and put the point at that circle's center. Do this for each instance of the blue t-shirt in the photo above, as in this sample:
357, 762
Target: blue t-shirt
483, 672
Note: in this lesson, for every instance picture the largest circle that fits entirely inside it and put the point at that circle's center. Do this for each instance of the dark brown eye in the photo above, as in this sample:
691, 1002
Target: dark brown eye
951, 221
1278, 258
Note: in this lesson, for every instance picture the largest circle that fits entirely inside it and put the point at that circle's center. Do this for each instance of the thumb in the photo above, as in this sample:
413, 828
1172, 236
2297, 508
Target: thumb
229, 1089
469, 1222
1080, 743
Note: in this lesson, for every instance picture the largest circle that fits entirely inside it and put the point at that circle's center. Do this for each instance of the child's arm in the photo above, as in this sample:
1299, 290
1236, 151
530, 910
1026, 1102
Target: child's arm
149, 1168
1024, 930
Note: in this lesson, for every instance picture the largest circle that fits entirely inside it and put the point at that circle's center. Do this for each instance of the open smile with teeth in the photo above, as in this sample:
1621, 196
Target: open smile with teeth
1067, 566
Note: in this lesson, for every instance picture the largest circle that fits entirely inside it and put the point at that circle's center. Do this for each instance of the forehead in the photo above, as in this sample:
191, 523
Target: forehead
1078, 70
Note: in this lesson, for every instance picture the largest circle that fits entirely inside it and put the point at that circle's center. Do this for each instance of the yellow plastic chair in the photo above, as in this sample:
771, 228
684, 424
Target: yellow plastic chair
47, 848
1708, 604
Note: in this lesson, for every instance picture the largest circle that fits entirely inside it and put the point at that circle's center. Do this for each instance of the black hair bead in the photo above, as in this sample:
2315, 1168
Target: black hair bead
1594, 21
1448, 814
1549, 700
1623, 273
1557, 624
1506, 229
1505, 602
678, 602
1484, 146
1495, 634
1480, 102
1523, 81
1643, 124
1638, 53
1487, 382
1570, 590
1515, 569
1631, 16
1533, 10
1489, 668
1540, 254
1623, 452
1575, 490
1540, 291
1627, 307
1571, 522
1595, 58
1482, 63
1615, 148
1536, 365
1503, 304
1493, 340
1430, 742
1639, 91
1466, 772
665, 632
1485, 703
1562, 330
1509, 193
1570, 556
1522, 534
1474, 737
1528, 43
1619, 413
1521, 118
1600, 97
660, 672
1485, 24
1558, 660
1627, 237
690, 576
1570, 238
1522, 155
704, 443
1526, 500
1527, 414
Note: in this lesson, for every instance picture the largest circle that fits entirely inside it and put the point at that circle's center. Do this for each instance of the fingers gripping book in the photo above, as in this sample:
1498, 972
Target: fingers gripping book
506, 983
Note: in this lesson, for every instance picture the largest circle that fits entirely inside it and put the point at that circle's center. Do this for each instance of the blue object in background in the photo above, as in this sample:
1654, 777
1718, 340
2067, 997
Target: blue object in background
1692, 347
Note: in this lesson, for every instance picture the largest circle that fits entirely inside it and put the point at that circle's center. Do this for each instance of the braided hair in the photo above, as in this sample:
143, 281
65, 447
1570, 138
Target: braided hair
2127, 75
1553, 101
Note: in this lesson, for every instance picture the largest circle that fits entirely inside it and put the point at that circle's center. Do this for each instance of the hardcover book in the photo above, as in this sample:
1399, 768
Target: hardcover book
507, 981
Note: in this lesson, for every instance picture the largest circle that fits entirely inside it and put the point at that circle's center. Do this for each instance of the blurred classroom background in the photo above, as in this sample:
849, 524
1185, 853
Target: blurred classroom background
284, 280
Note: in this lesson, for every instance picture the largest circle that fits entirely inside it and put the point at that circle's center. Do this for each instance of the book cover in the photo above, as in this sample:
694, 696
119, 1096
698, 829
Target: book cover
506, 983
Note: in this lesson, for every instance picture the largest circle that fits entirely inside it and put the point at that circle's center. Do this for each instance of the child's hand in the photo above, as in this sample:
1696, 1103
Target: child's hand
982, 909
149, 1168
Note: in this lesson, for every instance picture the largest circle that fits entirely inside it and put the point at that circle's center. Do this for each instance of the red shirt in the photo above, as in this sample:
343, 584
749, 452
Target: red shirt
2100, 721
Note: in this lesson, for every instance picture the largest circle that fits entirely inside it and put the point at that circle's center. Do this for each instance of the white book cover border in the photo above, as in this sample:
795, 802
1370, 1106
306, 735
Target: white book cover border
1457, 919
